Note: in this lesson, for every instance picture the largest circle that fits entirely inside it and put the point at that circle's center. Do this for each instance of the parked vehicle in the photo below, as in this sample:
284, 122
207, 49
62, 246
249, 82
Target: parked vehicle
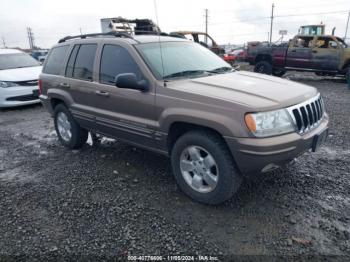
201, 38
129, 26
181, 100
235, 55
252, 48
324, 55
19, 74
39, 55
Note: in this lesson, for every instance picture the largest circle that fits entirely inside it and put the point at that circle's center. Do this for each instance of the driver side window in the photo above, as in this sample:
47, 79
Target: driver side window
116, 60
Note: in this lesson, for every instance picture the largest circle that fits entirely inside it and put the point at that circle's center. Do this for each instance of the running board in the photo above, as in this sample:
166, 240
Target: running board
311, 70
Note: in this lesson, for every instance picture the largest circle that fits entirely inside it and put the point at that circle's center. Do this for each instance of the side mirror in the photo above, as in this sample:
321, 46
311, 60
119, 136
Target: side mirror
129, 81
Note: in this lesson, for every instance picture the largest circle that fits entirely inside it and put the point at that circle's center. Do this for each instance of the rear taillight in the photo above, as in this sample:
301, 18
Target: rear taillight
40, 84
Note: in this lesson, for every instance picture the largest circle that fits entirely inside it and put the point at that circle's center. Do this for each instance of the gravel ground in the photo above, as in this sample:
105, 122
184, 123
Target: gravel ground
110, 199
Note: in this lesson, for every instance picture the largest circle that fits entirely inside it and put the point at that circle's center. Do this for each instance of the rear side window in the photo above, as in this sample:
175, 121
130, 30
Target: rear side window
54, 62
116, 60
84, 62
71, 61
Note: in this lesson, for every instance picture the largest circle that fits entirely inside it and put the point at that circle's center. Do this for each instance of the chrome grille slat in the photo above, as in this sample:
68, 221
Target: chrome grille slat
314, 107
307, 115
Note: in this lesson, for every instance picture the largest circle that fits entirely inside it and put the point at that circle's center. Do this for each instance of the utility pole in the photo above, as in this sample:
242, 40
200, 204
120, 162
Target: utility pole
347, 26
31, 38
3, 42
273, 7
80, 31
206, 26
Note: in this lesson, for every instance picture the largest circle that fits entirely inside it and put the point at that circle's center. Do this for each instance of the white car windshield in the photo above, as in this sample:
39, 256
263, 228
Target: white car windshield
181, 60
11, 61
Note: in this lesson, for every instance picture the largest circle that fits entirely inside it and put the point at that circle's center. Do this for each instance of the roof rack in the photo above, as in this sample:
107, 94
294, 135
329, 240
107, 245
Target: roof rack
116, 34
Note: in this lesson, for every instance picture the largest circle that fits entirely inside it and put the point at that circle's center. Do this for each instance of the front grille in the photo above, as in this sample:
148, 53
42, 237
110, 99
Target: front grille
23, 98
308, 115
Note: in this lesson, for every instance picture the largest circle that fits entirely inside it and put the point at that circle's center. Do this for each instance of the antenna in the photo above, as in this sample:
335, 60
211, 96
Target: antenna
160, 43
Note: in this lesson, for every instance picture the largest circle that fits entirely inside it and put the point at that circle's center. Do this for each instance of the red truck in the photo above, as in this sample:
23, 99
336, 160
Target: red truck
324, 55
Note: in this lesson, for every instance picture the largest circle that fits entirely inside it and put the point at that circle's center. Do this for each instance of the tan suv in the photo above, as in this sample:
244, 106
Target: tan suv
177, 98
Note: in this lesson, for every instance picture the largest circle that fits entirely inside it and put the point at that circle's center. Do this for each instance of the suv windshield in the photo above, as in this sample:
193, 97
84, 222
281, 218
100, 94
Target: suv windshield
11, 61
181, 60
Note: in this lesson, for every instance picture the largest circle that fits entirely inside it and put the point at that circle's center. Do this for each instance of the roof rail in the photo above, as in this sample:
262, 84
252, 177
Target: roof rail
116, 34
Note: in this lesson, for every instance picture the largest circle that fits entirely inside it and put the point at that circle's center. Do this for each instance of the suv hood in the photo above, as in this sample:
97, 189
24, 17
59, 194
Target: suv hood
251, 89
20, 74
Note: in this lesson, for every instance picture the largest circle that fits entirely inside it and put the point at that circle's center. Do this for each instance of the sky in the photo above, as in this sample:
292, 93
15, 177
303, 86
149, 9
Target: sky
230, 21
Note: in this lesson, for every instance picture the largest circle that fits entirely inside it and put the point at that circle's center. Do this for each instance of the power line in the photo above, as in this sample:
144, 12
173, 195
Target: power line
273, 7
347, 26
30, 38
306, 14
206, 26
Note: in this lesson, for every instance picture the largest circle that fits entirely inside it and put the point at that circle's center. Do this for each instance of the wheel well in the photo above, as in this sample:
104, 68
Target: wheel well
55, 102
260, 58
177, 129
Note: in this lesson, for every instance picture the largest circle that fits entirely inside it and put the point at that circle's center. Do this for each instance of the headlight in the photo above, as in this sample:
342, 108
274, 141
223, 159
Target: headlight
270, 123
4, 84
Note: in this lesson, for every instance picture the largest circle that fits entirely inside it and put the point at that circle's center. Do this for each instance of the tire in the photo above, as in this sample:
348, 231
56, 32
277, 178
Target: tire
263, 67
228, 178
278, 72
78, 136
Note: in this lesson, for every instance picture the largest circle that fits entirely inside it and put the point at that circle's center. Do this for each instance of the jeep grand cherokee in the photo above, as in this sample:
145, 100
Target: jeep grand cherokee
175, 97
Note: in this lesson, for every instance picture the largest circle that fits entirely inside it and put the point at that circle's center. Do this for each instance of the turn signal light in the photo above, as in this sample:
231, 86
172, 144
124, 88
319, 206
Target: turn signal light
250, 122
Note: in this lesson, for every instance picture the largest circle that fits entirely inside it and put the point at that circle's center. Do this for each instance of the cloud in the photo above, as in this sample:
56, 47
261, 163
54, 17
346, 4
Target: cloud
229, 21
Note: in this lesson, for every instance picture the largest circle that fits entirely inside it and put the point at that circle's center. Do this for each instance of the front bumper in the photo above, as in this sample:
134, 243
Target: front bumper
19, 96
259, 155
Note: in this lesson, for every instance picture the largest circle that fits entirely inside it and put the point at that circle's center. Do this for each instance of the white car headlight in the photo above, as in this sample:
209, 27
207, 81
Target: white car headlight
5, 84
271, 123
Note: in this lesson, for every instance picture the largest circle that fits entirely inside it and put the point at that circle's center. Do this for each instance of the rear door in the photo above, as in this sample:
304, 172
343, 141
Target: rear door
326, 54
299, 54
123, 113
53, 69
80, 83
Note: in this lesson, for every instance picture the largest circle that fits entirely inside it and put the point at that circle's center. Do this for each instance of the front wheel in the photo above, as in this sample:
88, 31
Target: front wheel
263, 67
204, 168
68, 130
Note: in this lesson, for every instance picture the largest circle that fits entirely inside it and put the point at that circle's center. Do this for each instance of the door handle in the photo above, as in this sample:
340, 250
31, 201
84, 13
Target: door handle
314, 51
101, 93
293, 50
64, 85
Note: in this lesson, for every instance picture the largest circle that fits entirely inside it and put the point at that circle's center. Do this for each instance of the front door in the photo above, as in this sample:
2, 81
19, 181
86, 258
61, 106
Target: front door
123, 113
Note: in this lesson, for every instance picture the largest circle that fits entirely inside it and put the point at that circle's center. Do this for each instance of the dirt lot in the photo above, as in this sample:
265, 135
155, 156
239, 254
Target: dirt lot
112, 199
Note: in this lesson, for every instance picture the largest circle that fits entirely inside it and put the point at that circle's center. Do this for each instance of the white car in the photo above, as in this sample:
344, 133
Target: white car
19, 74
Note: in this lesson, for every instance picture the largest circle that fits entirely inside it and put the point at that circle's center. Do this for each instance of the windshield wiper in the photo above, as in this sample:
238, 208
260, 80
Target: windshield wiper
185, 73
223, 69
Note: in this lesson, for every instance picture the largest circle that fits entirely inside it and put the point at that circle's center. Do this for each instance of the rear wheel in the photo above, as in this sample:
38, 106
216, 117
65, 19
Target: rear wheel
68, 130
204, 168
263, 67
